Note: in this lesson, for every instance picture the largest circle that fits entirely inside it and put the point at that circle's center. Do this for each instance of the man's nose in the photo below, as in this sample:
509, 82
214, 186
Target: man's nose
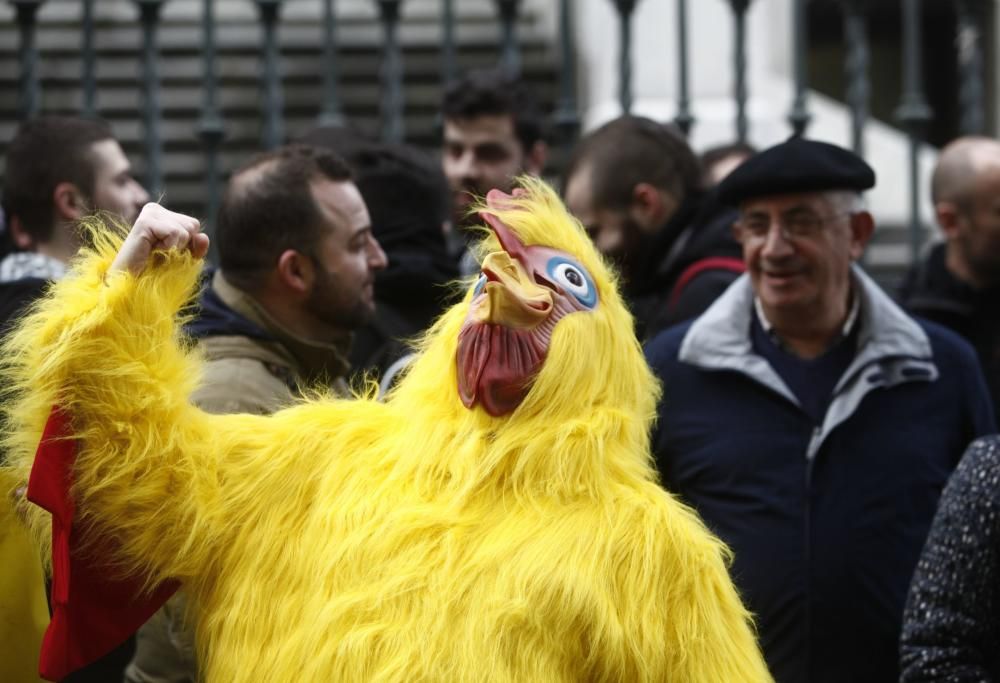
777, 243
377, 260
141, 196
467, 166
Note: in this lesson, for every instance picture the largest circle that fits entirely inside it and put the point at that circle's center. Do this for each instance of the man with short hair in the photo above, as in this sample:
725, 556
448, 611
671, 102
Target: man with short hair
811, 422
635, 185
958, 283
58, 170
492, 133
297, 265
407, 196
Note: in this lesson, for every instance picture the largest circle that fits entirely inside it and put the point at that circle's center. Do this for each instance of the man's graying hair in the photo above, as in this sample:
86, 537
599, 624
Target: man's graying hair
847, 201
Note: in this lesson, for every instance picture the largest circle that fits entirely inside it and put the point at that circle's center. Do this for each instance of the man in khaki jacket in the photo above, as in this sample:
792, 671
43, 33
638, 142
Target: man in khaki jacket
297, 263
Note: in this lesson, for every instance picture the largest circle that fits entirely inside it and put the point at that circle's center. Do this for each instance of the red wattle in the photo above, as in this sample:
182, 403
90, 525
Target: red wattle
496, 366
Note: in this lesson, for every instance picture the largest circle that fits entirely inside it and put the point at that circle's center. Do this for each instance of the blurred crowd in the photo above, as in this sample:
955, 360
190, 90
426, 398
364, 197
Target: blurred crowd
816, 422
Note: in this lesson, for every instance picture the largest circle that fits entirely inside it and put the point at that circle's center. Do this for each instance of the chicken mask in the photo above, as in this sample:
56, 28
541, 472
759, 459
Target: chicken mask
523, 292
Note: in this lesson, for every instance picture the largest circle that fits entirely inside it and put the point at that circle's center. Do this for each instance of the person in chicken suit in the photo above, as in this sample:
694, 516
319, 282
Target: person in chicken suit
496, 518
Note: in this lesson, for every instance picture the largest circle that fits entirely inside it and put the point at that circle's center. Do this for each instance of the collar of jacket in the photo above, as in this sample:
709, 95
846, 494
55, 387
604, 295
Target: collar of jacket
892, 349
311, 361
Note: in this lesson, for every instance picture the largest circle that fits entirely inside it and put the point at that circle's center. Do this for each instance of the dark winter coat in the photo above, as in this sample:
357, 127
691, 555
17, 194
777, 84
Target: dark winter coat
932, 292
826, 519
676, 281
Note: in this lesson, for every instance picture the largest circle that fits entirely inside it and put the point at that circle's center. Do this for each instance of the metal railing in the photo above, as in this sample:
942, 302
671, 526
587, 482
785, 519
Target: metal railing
913, 112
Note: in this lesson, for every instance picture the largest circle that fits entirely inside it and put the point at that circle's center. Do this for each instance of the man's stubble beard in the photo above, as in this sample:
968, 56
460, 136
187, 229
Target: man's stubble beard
322, 304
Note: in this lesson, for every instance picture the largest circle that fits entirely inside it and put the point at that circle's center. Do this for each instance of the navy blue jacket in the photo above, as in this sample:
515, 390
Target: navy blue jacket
826, 520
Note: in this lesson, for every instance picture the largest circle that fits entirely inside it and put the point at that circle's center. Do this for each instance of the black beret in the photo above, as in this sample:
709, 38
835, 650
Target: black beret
796, 165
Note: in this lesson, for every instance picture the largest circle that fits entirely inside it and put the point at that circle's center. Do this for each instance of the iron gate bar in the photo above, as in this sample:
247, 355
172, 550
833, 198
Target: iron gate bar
565, 117
739, 8
970, 67
331, 115
683, 119
856, 61
510, 55
89, 58
625, 8
391, 73
274, 104
913, 113
448, 66
799, 116
27, 11
210, 127
149, 15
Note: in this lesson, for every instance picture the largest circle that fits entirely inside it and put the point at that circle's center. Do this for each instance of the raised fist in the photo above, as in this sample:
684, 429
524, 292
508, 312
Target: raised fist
157, 229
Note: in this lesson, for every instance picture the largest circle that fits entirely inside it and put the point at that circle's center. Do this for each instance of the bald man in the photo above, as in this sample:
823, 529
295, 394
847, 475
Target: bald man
958, 285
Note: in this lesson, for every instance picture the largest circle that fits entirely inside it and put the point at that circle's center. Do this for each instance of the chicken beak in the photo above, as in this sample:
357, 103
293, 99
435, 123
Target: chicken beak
512, 298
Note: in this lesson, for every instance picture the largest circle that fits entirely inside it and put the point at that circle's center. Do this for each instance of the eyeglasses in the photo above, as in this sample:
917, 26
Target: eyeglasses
797, 226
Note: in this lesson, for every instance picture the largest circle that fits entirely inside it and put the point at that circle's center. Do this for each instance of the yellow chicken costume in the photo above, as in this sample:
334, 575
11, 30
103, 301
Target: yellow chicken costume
23, 613
496, 519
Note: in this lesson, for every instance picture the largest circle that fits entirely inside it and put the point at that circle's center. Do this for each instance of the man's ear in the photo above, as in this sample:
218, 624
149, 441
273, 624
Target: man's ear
68, 202
862, 229
949, 218
534, 160
651, 207
295, 272
22, 240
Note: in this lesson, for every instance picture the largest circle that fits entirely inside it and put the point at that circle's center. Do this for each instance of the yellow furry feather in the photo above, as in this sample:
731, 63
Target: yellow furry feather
413, 540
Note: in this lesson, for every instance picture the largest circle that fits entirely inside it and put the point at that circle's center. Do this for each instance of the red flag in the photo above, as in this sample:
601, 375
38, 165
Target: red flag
94, 609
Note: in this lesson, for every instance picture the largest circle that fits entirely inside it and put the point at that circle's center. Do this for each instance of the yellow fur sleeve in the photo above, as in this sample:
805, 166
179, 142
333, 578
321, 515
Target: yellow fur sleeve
680, 617
715, 631
164, 478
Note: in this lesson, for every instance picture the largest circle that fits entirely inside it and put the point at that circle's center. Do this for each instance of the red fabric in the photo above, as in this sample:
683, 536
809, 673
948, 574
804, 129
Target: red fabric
94, 610
733, 265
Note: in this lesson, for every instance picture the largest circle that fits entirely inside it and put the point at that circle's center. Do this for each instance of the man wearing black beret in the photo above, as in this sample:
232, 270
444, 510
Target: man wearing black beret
811, 422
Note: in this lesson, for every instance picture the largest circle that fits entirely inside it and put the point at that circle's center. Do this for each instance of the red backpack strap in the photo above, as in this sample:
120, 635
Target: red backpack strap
727, 263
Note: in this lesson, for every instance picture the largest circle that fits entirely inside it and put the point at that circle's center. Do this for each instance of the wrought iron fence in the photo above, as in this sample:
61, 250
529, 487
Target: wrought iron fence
913, 111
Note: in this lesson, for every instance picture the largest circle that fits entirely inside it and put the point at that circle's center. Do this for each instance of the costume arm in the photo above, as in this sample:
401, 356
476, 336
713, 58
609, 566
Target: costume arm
685, 621
952, 614
716, 637
151, 471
